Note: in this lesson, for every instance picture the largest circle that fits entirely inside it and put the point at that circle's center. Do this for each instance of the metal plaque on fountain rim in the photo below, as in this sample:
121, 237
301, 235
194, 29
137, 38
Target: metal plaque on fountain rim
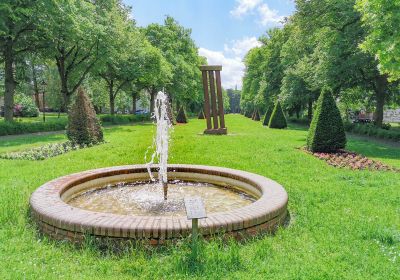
194, 207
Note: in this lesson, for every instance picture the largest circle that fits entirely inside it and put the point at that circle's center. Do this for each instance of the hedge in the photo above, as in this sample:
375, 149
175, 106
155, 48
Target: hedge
362, 129
371, 130
13, 128
122, 119
326, 133
277, 119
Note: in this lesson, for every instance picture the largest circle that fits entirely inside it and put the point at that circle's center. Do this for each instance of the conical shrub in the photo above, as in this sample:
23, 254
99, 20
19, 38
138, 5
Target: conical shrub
256, 116
83, 126
201, 115
326, 133
181, 117
277, 119
267, 115
170, 114
247, 114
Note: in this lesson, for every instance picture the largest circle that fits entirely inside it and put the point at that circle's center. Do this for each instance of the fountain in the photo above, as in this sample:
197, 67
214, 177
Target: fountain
126, 202
161, 140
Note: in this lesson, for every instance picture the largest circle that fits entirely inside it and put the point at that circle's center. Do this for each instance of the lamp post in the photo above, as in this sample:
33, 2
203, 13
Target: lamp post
43, 84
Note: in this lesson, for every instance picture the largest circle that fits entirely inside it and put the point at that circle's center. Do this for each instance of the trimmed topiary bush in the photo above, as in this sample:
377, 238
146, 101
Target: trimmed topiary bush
181, 117
268, 115
170, 114
83, 126
277, 119
326, 133
247, 114
201, 115
256, 116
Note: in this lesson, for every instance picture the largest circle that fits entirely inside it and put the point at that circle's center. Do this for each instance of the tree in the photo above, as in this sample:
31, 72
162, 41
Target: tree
382, 19
339, 62
251, 80
326, 133
80, 36
317, 47
234, 100
154, 74
181, 53
83, 126
277, 119
19, 34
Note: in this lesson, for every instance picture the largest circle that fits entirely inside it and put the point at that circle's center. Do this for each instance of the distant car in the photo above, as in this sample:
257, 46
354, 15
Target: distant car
366, 120
141, 112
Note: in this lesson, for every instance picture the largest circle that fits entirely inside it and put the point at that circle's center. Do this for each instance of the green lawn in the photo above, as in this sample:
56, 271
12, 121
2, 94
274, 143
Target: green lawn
344, 224
50, 117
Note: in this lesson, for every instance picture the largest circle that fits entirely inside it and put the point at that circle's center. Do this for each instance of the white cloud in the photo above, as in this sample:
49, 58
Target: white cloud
265, 13
268, 16
241, 47
244, 6
232, 66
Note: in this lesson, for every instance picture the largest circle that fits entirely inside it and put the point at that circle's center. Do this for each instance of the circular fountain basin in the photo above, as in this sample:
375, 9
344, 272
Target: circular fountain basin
120, 203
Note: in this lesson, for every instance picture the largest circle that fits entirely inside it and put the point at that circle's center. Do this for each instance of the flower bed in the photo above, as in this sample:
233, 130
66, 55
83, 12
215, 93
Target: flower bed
46, 151
353, 161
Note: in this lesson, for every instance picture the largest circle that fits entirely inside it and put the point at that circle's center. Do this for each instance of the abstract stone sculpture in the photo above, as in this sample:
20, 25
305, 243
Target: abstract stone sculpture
213, 102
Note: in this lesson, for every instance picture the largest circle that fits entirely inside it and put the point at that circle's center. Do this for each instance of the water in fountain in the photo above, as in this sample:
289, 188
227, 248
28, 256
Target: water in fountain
161, 140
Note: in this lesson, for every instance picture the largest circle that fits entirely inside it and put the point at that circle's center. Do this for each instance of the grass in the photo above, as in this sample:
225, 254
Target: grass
344, 224
50, 117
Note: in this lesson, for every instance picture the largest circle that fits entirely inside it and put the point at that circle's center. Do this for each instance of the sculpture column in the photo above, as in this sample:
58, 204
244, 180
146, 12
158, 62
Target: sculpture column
213, 101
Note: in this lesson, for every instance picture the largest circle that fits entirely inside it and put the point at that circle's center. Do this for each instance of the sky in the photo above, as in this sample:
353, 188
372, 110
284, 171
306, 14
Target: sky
224, 30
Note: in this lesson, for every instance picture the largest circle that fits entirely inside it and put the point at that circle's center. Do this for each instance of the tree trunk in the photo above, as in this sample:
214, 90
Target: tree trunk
380, 94
64, 83
35, 85
9, 81
112, 105
153, 93
112, 97
134, 98
309, 112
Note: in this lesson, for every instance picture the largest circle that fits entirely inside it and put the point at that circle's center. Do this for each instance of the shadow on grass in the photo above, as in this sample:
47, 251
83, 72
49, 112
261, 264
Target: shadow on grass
298, 127
125, 127
18, 140
371, 149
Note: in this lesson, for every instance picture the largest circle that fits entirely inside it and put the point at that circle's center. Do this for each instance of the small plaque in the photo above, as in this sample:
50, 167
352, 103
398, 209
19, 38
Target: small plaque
195, 208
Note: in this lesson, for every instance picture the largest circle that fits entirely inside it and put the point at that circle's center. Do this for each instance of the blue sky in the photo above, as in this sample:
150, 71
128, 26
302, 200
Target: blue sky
224, 30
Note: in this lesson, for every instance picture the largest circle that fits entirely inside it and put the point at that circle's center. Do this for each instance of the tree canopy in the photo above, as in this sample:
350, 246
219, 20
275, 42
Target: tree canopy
95, 45
319, 47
